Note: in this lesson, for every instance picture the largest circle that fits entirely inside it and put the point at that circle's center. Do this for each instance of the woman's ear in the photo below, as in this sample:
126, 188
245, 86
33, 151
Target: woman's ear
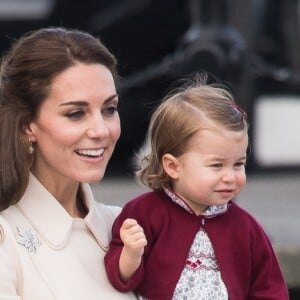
27, 130
170, 164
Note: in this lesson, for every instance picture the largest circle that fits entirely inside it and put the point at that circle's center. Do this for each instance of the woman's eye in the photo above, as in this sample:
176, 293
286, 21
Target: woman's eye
76, 114
110, 110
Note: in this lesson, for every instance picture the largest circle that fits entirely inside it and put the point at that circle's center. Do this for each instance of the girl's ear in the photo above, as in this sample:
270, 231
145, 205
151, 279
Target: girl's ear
170, 164
27, 130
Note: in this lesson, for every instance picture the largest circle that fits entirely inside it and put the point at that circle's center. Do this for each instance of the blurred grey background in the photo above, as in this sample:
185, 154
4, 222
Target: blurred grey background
252, 46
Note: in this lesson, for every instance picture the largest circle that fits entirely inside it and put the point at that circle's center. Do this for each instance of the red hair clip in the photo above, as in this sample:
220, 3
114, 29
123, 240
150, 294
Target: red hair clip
244, 114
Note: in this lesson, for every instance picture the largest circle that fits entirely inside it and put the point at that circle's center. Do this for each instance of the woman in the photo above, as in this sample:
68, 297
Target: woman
59, 125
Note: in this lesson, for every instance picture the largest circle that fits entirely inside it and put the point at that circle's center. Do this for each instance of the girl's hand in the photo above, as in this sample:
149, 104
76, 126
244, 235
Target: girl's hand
134, 240
133, 237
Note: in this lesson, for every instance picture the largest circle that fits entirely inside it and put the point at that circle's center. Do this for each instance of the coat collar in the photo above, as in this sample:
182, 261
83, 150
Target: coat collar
51, 220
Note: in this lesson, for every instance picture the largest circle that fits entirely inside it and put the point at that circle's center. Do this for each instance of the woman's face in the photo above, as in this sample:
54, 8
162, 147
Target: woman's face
77, 126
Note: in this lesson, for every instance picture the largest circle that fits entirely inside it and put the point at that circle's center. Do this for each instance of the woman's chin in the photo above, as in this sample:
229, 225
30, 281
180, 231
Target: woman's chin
92, 178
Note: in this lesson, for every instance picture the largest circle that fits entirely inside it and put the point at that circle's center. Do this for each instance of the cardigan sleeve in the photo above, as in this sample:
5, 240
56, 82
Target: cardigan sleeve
247, 261
8, 264
267, 278
112, 257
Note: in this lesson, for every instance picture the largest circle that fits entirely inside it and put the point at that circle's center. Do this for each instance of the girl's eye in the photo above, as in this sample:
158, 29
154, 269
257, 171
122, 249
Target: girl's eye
76, 114
216, 165
240, 164
110, 110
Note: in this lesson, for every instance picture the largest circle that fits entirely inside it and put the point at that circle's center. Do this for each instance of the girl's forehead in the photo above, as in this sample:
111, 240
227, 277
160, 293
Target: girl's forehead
218, 134
211, 144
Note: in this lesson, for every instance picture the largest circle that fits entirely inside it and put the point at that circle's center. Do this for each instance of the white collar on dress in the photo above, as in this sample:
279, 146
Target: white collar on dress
51, 220
211, 211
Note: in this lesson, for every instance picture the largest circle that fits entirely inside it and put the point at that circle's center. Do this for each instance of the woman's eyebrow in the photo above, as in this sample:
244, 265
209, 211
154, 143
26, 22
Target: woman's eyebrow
86, 103
79, 103
111, 98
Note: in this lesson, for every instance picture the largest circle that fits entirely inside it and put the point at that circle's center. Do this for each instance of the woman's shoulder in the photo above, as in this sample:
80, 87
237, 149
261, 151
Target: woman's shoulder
10, 270
5, 227
7, 239
108, 212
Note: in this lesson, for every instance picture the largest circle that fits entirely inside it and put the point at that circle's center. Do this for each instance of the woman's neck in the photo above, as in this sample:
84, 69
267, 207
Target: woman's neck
67, 193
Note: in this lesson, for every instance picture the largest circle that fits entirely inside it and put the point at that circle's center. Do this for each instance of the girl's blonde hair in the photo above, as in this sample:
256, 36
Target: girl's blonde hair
178, 118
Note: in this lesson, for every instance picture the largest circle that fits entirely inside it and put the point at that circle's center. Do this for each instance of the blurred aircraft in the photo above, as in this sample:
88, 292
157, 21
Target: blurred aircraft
252, 46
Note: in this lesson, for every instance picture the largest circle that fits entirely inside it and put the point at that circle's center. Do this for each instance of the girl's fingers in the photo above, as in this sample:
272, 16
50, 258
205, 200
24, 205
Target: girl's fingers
129, 223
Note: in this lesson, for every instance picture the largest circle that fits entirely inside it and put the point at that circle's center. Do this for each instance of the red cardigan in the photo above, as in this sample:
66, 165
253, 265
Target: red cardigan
248, 265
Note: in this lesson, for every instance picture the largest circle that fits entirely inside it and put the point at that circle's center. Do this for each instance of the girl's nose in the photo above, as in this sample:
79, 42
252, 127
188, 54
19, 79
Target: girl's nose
229, 175
97, 128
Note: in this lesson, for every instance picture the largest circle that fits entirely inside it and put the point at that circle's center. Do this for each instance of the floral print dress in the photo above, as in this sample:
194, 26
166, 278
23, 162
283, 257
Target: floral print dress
200, 278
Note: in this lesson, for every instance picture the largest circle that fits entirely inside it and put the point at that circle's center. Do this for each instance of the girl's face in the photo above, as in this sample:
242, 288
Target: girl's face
212, 169
77, 126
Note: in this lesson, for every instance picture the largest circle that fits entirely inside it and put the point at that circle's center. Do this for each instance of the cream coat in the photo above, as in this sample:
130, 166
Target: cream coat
46, 254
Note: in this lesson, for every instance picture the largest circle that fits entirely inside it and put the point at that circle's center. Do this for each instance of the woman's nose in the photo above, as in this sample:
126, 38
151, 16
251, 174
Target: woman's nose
97, 128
